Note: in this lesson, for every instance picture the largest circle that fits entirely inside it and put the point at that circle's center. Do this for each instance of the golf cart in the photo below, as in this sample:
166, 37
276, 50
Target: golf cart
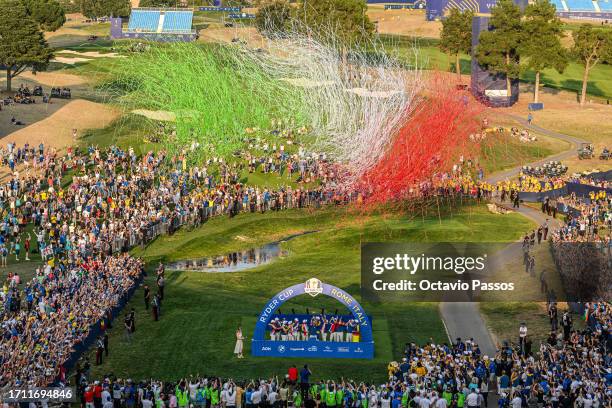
605, 154
585, 151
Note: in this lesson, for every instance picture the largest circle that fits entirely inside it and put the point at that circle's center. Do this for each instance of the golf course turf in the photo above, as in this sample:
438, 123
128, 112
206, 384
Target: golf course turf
201, 311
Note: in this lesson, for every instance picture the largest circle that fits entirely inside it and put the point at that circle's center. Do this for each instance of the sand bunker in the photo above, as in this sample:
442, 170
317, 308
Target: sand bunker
167, 116
84, 56
70, 60
56, 130
93, 54
156, 115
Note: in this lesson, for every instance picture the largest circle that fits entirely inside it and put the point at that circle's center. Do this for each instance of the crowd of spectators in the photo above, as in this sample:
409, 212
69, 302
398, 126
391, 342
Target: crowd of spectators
586, 219
13, 155
582, 246
572, 368
542, 183
42, 322
116, 200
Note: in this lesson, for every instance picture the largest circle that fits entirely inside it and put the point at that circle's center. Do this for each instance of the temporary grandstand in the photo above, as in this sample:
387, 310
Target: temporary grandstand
588, 9
156, 25
600, 9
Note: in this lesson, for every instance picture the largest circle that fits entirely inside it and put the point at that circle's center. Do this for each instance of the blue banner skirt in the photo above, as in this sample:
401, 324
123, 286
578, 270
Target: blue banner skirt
312, 349
316, 348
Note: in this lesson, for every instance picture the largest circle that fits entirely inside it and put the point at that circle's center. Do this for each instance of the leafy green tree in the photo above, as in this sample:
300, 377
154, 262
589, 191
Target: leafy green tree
342, 23
274, 18
91, 8
542, 43
591, 46
70, 6
117, 8
22, 43
100, 8
498, 48
49, 14
456, 35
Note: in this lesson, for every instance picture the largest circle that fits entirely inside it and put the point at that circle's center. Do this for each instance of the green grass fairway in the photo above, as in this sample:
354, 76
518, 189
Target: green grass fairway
202, 311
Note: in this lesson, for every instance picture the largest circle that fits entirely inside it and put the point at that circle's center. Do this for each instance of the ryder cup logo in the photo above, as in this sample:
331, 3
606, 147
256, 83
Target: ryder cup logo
313, 287
281, 349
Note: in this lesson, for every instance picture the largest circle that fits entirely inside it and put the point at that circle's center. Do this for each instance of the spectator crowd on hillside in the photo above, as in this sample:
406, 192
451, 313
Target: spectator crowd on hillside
82, 229
85, 209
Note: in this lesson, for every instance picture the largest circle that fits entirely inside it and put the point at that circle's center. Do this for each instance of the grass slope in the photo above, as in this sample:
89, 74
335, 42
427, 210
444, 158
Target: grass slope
502, 152
202, 311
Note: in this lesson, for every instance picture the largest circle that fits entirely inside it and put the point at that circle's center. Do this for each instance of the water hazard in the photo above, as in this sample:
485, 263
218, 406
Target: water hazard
235, 261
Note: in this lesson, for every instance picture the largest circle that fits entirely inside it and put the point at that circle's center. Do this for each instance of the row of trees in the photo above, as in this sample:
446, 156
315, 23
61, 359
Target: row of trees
529, 40
105, 8
341, 22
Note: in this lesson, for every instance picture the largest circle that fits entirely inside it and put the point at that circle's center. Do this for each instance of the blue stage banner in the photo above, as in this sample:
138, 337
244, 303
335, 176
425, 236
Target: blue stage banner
364, 348
313, 349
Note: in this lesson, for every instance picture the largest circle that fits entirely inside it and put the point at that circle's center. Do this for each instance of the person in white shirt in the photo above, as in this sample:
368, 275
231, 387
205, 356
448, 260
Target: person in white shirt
228, 396
256, 397
522, 337
146, 403
587, 401
441, 403
193, 388
424, 402
373, 399
107, 400
516, 401
272, 397
385, 400
473, 399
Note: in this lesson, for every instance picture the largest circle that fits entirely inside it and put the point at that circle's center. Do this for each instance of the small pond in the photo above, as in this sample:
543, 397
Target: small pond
235, 261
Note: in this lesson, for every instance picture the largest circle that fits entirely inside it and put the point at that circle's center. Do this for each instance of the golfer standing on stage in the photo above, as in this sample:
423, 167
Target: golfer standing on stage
239, 345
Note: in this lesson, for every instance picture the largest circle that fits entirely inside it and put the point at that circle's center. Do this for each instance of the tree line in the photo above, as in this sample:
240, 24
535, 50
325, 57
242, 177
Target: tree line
526, 40
341, 23
24, 22
22, 42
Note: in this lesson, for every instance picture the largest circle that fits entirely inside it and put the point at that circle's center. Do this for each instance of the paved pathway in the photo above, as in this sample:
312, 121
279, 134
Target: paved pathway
463, 319
574, 141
